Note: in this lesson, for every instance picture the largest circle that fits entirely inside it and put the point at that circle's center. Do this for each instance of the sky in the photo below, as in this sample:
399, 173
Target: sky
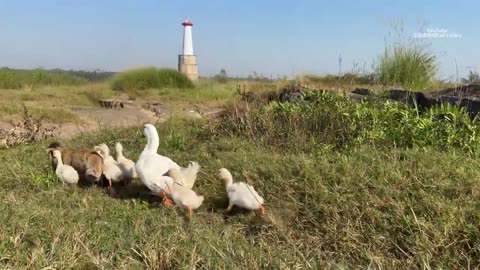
271, 38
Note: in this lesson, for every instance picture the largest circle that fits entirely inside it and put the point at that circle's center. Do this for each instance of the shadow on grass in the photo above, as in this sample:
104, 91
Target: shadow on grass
133, 190
137, 191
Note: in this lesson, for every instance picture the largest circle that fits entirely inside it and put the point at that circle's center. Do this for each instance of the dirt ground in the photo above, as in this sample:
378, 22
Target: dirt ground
133, 114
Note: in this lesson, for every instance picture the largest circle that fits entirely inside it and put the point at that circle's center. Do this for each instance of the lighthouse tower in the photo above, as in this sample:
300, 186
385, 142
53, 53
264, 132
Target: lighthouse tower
187, 61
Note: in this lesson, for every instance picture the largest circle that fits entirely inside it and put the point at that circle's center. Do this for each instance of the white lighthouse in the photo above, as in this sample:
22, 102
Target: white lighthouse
187, 61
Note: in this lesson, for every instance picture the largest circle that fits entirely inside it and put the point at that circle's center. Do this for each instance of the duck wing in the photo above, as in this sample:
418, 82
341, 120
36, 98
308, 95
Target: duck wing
189, 174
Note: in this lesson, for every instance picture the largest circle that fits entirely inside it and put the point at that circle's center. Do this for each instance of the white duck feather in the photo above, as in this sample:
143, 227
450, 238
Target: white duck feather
240, 193
66, 173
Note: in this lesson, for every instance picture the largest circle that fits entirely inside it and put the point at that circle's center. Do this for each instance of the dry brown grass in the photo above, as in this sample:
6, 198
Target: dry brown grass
51, 103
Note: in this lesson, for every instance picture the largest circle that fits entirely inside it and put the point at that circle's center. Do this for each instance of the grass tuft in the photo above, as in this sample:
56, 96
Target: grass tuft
148, 78
412, 67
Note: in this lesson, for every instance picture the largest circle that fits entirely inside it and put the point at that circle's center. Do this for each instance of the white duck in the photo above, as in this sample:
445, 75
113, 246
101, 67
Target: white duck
150, 165
126, 165
182, 195
241, 194
66, 173
111, 170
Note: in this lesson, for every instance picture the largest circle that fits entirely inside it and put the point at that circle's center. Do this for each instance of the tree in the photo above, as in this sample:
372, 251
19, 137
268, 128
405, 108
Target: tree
223, 73
222, 76
473, 77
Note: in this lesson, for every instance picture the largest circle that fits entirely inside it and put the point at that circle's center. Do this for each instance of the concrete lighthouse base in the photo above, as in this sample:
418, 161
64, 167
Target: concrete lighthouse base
187, 64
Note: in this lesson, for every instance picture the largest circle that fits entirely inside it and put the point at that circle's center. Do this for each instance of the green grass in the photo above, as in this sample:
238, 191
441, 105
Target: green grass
369, 206
205, 92
147, 78
410, 66
324, 120
170, 86
16, 79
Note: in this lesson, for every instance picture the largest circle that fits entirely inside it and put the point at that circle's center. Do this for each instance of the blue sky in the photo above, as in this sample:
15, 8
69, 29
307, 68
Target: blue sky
273, 38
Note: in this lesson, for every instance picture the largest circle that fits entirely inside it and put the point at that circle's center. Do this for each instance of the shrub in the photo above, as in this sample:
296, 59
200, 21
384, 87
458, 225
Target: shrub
326, 119
145, 78
409, 66
172, 78
222, 76
9, 79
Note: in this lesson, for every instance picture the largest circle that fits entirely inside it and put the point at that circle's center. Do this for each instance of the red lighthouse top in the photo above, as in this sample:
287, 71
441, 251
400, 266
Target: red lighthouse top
187, 23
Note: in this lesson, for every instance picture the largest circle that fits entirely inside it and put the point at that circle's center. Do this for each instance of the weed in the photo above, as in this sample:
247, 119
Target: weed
43, 180
28, 130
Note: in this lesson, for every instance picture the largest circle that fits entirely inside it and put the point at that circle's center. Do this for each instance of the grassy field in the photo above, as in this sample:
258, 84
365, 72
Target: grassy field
51, 95
206, 92
17, 78
367, 206
53, 103
347, 185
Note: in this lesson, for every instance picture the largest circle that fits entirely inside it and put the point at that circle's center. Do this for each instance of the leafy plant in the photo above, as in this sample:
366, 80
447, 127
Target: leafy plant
43, 180
324, 118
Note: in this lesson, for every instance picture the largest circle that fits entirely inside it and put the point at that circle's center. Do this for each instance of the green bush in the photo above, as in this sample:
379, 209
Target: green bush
326, 119
409, 66
146, 78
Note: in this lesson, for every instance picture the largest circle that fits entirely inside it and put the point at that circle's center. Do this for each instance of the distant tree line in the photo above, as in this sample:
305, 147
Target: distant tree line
93, 76
223, 77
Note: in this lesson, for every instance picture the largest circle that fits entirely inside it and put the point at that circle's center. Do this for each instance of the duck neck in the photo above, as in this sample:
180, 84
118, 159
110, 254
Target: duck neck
106, 152
228, 181
119, 153
152, 144
59, 161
